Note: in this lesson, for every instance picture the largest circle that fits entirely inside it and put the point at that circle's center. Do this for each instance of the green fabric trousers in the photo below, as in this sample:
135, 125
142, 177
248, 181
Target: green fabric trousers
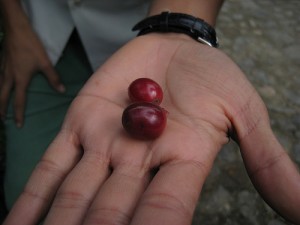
45, 111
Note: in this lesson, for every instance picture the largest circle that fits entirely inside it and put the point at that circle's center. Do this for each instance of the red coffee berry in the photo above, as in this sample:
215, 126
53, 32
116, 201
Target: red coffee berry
145, 90
144, 120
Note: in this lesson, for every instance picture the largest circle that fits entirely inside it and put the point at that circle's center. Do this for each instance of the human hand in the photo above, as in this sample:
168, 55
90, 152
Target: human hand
23, 55
94, 173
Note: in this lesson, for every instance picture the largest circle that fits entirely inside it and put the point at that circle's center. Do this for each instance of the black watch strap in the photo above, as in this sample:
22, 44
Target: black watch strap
196, 28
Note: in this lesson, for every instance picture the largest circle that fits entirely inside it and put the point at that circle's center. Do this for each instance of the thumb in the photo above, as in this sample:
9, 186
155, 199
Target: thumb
272, 171
53, 78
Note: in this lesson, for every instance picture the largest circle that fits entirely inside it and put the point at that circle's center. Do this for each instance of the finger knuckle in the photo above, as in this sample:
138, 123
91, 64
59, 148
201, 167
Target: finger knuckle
33, 195
20, 85
46, 166
45, 65
108, 216
167, 202
267, 164
71, 199
43, 167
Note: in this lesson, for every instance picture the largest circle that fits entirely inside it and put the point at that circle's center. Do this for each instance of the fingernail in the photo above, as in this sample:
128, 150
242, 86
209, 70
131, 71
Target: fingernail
61, 88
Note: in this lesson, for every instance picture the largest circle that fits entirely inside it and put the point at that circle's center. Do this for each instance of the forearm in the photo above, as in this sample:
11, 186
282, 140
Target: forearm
205, 9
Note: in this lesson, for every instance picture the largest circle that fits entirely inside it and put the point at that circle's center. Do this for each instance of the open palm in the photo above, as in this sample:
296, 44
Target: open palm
97, 174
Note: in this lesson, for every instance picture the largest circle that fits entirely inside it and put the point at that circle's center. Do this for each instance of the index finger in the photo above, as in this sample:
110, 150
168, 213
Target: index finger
53, 77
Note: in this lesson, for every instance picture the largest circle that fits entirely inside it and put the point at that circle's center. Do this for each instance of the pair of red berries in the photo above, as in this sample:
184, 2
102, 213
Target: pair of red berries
144, 118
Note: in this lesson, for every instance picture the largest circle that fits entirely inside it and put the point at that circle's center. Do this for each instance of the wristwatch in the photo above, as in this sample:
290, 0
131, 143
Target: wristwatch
166, 22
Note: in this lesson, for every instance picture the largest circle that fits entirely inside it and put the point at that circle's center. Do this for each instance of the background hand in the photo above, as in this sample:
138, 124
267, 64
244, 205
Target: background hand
98, 174
23, 55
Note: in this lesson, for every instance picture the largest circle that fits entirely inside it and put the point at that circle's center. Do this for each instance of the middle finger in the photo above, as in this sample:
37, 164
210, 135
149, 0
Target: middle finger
116, 200
6, 87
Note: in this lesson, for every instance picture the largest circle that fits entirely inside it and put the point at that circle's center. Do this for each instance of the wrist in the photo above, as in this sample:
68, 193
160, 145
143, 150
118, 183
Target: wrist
204, 9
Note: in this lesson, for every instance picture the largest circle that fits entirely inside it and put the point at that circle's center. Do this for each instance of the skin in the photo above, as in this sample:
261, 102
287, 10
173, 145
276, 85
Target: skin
23, 56
92, 163
94, 173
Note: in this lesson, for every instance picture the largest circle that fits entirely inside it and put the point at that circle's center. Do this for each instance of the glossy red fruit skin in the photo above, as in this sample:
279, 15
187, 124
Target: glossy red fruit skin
145, 90
144, 120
